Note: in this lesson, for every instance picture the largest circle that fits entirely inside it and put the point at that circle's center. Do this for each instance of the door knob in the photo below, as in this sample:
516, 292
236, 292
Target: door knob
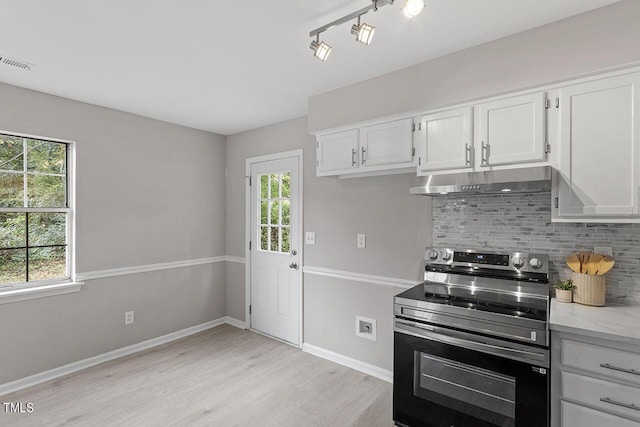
293, 265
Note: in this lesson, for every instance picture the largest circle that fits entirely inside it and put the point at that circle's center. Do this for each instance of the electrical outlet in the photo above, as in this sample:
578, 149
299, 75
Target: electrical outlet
129, 318
604, 250
310, 238
366, 328
362, 241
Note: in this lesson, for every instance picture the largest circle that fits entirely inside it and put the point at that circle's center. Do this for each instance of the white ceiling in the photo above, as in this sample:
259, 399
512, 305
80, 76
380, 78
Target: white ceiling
229, 66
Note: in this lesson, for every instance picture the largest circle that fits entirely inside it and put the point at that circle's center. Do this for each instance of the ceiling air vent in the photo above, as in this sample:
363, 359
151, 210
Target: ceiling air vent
16, 63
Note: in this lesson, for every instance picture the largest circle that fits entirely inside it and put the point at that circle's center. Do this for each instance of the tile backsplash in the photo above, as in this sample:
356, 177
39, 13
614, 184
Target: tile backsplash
522, 222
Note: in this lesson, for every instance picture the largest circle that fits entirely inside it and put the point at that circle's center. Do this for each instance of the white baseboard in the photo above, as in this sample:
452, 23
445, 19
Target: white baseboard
51, 374
349, 362
235, 322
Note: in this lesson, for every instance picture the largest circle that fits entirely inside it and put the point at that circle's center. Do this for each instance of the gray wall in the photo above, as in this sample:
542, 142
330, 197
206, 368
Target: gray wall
147, 192
394, 222
523, 222
585, 43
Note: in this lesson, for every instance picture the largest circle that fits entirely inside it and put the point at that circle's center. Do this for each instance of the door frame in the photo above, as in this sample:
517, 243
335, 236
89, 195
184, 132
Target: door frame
250, 161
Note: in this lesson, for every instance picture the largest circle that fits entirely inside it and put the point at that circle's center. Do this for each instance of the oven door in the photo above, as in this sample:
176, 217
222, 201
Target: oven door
454, 379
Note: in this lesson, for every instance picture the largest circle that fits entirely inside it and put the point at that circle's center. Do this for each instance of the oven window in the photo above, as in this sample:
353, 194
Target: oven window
480, 393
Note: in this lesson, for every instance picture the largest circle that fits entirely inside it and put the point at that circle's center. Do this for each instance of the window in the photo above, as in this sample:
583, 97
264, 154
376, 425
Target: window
35, 211
275, 212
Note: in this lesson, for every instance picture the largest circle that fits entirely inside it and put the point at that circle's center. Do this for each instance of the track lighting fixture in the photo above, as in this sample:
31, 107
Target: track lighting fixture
363, 32
411, 8
321, 50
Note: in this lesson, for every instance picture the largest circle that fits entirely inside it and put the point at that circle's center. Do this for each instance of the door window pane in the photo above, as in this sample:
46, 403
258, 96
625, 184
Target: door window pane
275, 213
286, 185
264, 212
275, 185
264, 238
286, 239
286, 212
274, 239
264, 186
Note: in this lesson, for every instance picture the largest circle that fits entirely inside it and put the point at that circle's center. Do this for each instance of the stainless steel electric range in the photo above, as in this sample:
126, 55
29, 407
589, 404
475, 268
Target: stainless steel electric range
471, 343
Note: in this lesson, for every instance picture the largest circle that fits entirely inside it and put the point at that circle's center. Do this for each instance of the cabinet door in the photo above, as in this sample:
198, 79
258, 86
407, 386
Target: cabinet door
511, 130
447, 140
337, 152
388, 143
600, 154
580, 416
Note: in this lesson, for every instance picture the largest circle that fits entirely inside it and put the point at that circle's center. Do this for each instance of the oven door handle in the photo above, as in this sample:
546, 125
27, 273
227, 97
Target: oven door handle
437, 334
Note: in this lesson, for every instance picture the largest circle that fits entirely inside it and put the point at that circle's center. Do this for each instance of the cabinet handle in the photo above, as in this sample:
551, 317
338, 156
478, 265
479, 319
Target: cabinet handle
364, 151
615, 368
624, 405
353, 157
485, 154
467, 152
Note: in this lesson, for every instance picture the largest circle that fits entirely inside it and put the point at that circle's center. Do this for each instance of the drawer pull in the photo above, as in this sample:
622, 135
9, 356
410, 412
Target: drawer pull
615, 368
624, 405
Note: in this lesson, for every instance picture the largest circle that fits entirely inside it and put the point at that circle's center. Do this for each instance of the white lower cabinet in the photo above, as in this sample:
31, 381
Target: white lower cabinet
580, 416
594, 382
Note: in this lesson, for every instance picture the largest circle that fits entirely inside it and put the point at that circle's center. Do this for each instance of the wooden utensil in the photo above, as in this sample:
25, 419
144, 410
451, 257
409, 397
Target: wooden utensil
605, 265
584, 257
593, 262
574, 263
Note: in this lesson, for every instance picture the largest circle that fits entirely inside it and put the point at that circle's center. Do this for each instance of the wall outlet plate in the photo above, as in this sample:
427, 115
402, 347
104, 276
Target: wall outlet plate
366, 328
310, 238
361, 241
129, 317
604, 250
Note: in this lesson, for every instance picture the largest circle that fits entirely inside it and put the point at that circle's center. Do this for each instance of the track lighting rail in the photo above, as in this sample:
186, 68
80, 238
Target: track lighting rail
375, 5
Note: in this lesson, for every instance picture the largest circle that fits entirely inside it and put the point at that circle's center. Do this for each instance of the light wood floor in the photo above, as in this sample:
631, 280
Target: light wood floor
221, 377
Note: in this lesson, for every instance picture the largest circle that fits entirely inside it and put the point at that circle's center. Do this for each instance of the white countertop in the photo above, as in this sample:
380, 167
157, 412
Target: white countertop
620, 323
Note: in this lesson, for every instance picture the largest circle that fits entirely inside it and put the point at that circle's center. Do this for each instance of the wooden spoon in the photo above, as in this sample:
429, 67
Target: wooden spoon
605, 264
593, 263
574, 263
584, 257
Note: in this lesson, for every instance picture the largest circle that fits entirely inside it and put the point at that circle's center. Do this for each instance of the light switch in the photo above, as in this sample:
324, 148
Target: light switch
310, 238
361, 241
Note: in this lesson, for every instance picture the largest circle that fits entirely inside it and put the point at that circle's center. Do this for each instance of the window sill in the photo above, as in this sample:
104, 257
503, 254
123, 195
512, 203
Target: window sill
22, 294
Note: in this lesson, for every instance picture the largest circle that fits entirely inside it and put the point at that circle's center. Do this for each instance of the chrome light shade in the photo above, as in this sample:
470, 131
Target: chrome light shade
363, 32
321, 50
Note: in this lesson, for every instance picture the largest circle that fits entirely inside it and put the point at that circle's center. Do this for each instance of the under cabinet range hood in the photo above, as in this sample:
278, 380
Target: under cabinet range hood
523, 180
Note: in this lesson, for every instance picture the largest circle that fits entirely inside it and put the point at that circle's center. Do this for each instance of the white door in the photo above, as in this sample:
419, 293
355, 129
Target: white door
512, 130
275, 257
448, 140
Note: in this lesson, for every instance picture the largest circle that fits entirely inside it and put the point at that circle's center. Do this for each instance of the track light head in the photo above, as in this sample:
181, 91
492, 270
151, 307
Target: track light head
412, 8
321, 50
363, 32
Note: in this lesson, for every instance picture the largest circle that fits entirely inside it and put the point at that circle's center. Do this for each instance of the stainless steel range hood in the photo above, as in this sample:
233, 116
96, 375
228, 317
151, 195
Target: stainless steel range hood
525, 180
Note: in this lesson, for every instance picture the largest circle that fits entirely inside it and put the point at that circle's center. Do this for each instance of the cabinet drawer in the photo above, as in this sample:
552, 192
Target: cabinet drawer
608, 396
617, 364
579, 416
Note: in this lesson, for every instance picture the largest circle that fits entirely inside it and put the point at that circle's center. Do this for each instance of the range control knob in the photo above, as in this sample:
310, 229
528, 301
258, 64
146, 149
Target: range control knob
535, 263
446, 255
432, 254
517, 262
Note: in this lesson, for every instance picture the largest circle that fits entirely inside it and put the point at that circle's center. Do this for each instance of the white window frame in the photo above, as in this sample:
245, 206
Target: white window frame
45, 288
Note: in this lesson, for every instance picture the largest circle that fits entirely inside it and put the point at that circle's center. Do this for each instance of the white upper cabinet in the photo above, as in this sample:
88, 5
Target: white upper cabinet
446, 140
370, 150
337, 152
599, 173
387, 144
511, 130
